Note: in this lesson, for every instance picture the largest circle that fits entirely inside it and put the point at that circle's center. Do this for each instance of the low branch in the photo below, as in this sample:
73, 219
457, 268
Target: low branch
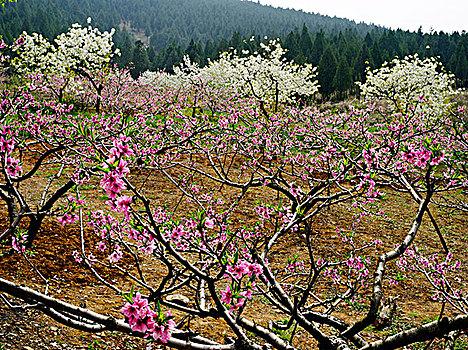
432, 330
89, 321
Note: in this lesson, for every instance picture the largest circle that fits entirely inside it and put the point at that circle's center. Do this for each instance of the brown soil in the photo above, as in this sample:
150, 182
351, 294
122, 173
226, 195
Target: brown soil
71, 282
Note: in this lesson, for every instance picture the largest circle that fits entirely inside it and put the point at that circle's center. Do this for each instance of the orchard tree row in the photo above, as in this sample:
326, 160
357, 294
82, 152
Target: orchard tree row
154, 35
342, 59
252, 165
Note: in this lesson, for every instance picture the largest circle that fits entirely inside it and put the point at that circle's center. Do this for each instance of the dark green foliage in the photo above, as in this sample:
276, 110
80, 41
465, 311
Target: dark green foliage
343, 80
327, 71
141, 62
459, 64
319, 46
169, 29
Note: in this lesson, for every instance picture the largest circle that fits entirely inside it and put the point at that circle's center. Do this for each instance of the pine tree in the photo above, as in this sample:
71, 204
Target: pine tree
343, 80
317, 50
326, 72
126, 49
306, 43
363, 60
140, 60
291, 43
194, 52
459, 65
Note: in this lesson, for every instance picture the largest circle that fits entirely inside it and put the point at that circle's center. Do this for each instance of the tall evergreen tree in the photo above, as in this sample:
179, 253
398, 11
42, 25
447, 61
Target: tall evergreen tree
327, 71
459, 65
126, 48
343, 80
291, 43
306, 43
363, 60
140, 60
317, 51
194, 52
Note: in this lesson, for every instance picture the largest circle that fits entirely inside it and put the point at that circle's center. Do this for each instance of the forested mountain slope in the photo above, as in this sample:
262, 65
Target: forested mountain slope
156, 34
167, 20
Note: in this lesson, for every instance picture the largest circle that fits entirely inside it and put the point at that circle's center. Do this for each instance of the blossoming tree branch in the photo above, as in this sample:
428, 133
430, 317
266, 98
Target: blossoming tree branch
249, 170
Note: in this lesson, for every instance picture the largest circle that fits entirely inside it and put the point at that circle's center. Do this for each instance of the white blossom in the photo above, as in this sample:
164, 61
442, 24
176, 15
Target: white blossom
265, 75
80, 48
411, 83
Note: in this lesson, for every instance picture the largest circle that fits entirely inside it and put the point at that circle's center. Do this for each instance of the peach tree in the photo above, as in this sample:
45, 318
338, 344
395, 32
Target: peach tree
196, 198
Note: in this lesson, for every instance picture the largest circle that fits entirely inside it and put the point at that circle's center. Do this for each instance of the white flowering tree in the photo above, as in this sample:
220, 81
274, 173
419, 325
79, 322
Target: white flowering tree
265, 75
83, 52
410, 83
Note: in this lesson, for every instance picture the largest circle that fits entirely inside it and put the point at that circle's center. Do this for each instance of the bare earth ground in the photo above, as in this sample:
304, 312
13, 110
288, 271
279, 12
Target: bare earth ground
31, 330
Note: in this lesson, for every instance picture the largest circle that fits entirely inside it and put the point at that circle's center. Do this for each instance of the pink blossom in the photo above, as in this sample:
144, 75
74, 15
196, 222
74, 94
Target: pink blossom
123, 204
209, 223
18, 244
142, 324
247, 294
112, 184
6, 145
255, 270
122, 168
67, 218
226, 295
116, 255
163, 332
12, 167
20, 41
101, 246
121, 149
236, 306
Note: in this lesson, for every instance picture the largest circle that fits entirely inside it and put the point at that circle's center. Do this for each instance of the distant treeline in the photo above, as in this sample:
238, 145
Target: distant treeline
156, 34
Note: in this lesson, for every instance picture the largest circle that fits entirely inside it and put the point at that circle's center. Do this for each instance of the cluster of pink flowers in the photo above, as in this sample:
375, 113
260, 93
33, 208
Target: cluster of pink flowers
244, 268
434, 266
422, 157
368, 183
144, 239
142, 319
295, 266
104, 225
67, 218
369, 157
107, 228
7, 145
358, 266
18, 242
437, 270
235, 299
295, 191
332, 273
263, 212
112, 181
286, 215
76, 201
179, 235
121, 205
120, 149
116, 255
160, 215
12, 166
